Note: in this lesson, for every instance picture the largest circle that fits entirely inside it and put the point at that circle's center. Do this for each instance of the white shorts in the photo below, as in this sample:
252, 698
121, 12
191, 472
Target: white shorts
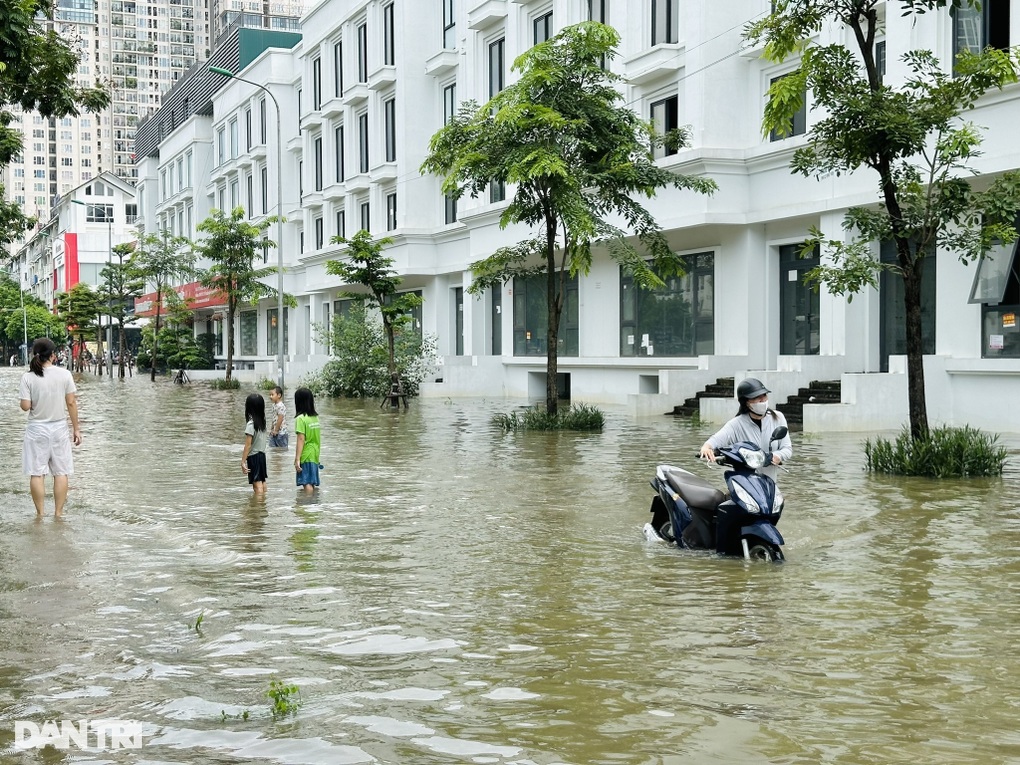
47, 449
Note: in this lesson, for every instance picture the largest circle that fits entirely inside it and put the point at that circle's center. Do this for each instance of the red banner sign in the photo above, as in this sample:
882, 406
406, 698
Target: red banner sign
193, 293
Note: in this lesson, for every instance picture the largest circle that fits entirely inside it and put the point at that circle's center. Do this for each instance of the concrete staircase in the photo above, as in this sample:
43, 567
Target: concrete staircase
817, 392
723, 387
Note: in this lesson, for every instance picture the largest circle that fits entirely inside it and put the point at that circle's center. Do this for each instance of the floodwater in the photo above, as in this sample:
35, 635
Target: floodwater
456, 595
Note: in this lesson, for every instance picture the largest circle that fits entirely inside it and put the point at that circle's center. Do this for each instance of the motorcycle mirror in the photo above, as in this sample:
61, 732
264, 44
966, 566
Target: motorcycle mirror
780, 433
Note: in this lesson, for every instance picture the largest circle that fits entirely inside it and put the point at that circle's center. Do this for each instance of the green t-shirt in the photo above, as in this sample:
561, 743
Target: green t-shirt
309, 426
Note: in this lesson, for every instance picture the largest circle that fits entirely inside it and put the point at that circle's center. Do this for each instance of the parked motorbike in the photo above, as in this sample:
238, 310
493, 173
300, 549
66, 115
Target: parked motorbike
691, 513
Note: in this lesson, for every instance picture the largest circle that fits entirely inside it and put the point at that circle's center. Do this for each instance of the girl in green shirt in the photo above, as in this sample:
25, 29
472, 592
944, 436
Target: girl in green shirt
306, 428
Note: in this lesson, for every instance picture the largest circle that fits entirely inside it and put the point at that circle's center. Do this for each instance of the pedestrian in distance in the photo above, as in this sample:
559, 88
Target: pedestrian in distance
253, 459
278, 430
306, 428
49, 395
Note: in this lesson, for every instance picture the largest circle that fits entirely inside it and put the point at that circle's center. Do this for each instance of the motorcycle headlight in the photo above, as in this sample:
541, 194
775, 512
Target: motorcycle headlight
777, 502
746, 499
754, 458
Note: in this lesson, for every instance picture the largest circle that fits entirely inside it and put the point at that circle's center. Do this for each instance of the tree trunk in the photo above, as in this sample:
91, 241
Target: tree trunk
230, 338
555, 307
155, 337
392, 347
120, 350
916, 403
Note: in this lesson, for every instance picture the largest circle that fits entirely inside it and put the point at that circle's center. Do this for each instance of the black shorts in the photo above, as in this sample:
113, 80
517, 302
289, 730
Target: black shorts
257, 472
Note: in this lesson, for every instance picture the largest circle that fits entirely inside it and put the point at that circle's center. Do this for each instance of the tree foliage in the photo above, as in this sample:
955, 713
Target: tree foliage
38, 69
14, 319
579, 161
367, 266
231, 245
910, 134
79, 310
120, 285
360, 367
162, 260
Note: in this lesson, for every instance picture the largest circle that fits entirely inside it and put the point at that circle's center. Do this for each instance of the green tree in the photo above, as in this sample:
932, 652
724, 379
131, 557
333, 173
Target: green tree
177, 346
366, 265
38, 70
162, 260
231, 244
122, 283
578, 159
79, 310
911, 135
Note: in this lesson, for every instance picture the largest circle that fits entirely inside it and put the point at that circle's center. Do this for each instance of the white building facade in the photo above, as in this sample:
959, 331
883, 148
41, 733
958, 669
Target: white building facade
371, 80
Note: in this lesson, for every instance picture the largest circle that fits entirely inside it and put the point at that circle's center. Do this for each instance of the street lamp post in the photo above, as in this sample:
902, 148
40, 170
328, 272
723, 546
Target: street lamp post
109, 264
24, 319
281, 326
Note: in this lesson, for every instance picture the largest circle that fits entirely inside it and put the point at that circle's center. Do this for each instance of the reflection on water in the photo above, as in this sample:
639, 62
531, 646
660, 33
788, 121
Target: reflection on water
455, 594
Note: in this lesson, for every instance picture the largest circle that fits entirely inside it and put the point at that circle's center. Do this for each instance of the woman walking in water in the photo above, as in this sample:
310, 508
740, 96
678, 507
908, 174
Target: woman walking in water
48, 394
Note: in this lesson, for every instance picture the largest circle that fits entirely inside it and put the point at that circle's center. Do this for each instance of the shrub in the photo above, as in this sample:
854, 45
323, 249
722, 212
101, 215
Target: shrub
232, 384
944, 453
265, 384
575, 417
360, 365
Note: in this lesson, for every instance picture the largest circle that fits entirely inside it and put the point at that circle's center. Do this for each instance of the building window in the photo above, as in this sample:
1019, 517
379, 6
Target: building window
262, 121
665, 21
98, 213
338, 136
249, 183
675, 320
320, 234
249, 326
338, 70
247, 129
341, 224
366, 216
497, 191
363, 143
974, 30
221, 146
450, 203
449, 26
449, 103
531, 318
799, 303
301, 178
496, 60
273, 334
363, 53
391, 211
997, 288
235, 194
390, 127
317, 155
542, 27
389, 36
234, 141
316, 84
665, 117
264, 183
598, 10
798, 123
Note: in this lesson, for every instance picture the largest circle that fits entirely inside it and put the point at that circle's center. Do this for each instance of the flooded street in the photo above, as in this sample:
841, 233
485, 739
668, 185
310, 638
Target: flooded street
453, 594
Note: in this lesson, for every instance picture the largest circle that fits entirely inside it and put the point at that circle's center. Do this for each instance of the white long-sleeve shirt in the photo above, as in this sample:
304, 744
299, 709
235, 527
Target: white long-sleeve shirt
743, 428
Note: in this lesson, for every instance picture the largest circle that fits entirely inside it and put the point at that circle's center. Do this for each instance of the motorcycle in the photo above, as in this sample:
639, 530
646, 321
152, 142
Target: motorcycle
691, 513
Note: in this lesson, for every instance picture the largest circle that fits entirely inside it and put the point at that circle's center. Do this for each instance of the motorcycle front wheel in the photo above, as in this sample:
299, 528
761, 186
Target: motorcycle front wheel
763, 551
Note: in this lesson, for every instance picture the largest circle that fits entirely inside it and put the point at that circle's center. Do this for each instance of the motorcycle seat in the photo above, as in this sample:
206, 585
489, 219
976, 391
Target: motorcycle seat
695, 490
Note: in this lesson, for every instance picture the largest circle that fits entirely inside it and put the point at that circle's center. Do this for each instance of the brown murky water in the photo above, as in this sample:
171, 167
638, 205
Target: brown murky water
456, 595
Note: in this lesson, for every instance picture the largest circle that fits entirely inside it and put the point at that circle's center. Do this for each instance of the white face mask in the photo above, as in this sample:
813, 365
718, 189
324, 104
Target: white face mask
760, 408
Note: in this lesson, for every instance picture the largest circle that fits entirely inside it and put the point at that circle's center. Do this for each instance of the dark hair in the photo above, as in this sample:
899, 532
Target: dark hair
304, 403
278, 390
42, 351
255, 411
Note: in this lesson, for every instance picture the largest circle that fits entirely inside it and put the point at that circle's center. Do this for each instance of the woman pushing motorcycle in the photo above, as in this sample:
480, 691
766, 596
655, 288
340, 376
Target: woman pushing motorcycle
754, 422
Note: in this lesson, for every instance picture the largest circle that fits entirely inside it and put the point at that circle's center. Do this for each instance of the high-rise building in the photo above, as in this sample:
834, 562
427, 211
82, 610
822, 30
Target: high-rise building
141, 48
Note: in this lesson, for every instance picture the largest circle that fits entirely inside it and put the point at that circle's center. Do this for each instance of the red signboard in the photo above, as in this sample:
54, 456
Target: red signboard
193, 293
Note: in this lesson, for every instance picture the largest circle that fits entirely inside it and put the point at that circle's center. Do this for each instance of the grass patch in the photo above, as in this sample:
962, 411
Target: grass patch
574, 417
945, 453
231, 384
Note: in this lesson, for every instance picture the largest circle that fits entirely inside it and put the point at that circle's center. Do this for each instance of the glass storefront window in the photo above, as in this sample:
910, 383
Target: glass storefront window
249, 333
675, 320
531, 318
